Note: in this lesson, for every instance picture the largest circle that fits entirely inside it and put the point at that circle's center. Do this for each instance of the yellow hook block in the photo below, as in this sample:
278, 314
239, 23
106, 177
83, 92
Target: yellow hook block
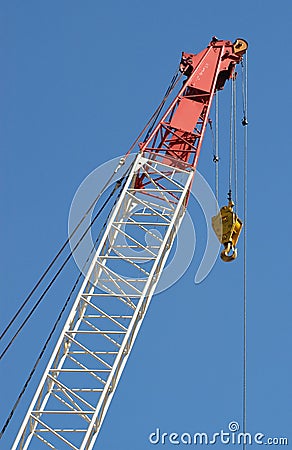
227, 227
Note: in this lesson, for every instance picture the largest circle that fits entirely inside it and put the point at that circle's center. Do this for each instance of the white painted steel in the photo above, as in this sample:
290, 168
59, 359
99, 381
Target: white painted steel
79, 382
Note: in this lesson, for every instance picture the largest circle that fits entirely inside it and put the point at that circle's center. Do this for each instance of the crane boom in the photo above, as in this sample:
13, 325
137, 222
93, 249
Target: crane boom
79, 382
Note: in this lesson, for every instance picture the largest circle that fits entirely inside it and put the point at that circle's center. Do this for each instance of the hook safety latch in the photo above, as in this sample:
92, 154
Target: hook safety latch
227, 227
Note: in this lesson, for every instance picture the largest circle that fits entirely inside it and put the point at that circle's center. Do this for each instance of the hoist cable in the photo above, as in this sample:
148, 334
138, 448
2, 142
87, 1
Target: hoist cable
231, 143
235, 143
245, 282
54, 327
117, 184
244, 90
217, 146
174, 81
245, 199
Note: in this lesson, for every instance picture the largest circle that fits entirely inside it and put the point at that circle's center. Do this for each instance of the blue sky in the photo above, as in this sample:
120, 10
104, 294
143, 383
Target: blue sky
78, 82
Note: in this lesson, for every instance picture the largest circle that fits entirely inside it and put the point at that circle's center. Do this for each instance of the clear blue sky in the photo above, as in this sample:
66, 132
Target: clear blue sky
78, 81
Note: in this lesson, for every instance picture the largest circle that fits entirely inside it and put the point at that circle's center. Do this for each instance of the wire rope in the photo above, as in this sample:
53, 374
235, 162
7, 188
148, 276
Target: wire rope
152, 120
235, 143
175, 79
245, 200
217, 146
9, 418
156, 113
231, 143
118, 183
56, 257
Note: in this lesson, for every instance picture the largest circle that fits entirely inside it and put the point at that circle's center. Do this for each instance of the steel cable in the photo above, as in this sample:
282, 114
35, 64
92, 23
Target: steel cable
245, 199
9, 418
173, 83
231, 144
235, 143
217, 145
154, 117
56, 257
118, 183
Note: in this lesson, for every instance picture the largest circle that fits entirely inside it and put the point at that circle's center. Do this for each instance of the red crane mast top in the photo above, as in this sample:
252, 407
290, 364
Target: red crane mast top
179, 134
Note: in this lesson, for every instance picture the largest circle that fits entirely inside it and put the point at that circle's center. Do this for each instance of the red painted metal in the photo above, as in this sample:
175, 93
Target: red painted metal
179, 135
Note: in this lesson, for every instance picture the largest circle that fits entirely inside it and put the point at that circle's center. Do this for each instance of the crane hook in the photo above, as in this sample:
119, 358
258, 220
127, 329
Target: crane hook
227, 227
226, 254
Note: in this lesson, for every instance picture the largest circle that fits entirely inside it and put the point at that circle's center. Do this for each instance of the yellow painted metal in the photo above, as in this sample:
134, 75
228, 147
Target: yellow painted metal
227, 227
240, 46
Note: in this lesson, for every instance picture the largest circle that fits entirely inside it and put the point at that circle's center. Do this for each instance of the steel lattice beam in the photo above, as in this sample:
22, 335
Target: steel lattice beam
78, 384
96, 341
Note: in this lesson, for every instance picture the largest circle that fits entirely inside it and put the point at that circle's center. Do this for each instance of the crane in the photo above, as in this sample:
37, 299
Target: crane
78, 384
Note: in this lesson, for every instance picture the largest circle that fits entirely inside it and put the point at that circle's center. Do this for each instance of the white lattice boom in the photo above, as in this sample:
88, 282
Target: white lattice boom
78, 384
76, 389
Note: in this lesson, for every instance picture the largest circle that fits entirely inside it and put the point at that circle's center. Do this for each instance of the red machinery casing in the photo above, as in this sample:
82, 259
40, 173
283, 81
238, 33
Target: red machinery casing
179, 134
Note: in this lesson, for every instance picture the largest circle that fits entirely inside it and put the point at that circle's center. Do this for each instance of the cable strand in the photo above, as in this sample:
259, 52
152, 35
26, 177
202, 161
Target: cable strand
245, 200
9, 418
153, 118
56, 257
173, 83
118, 183
235, 143
217, 145
231, 144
